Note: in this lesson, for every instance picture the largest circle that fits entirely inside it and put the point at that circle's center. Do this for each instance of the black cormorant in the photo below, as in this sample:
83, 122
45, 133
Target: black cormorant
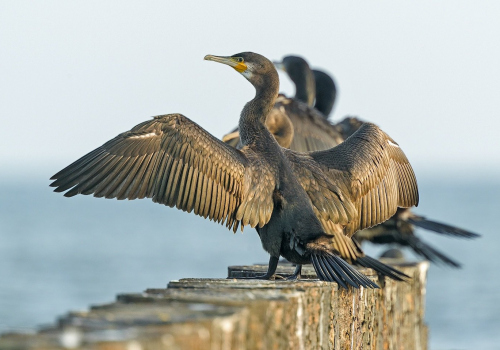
285, 195
299, 127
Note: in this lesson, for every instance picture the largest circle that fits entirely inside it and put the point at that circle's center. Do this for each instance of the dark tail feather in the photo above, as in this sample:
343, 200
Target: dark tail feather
440, 227
382, 268
331, 268
430, 253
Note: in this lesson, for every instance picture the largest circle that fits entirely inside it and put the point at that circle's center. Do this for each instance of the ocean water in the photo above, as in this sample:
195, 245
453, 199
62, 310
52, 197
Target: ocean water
59, 254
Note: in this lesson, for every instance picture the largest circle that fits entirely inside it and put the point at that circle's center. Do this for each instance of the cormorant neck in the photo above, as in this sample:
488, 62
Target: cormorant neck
305, 87
325, 102
255, 112
326, 92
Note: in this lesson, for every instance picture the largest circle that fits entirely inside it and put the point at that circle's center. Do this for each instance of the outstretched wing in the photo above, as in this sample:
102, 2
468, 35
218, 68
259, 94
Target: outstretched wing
375, 171
368, 173
175, 162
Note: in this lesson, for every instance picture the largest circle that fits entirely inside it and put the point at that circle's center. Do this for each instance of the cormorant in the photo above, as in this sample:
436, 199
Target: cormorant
400, 228
299, 127
285, 195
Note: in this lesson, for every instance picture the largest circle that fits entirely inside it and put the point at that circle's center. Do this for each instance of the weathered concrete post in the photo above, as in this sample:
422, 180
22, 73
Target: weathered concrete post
248, 314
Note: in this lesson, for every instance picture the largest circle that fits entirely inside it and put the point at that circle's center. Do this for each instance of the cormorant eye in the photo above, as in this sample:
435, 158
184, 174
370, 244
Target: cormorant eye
239, 59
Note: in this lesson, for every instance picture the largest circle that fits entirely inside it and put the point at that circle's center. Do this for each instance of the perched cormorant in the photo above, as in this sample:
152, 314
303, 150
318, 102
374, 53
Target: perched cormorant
400, 228
299, 127
285, 195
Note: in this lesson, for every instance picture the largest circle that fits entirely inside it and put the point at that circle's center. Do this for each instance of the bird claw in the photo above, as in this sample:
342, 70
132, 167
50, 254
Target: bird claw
292, 278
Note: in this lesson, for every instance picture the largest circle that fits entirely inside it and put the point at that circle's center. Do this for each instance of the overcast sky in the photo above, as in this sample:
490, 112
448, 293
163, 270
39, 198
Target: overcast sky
75, 74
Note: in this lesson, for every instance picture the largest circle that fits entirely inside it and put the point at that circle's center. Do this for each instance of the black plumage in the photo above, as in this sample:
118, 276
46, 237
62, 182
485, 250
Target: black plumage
326, 92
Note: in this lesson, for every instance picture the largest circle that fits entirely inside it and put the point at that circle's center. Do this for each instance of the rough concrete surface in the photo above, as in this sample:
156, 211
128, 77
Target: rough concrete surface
241, 314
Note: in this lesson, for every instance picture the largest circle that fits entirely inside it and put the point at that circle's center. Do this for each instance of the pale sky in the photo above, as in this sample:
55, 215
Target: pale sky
75, 74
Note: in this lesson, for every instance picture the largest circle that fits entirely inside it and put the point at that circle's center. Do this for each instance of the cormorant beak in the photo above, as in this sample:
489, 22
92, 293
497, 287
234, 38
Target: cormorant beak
240, 67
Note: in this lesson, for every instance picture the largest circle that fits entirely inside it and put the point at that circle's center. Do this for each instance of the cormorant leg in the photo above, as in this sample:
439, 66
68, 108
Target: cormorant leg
273, 264
296, 274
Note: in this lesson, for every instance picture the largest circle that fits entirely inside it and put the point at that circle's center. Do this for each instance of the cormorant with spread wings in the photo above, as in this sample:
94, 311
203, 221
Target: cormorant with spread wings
300, 204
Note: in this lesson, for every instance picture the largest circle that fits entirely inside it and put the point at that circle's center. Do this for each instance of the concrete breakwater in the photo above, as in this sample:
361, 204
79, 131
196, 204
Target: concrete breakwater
248, 314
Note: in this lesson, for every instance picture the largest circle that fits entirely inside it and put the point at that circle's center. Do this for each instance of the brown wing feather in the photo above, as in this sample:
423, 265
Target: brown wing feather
328, 199
345, 246
374, 172
177, 163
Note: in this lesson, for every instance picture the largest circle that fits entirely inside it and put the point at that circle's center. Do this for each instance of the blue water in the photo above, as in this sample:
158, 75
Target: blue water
59, 254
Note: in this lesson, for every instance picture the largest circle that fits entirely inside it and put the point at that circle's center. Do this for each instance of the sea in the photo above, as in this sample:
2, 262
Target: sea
59, 254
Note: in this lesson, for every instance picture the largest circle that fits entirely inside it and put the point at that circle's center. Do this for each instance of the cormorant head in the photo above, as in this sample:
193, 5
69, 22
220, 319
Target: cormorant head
300, 73
295, 66
254, 67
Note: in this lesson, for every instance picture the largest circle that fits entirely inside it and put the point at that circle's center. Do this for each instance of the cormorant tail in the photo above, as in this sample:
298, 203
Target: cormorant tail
439, 227
382, 268
429, 253
332, 268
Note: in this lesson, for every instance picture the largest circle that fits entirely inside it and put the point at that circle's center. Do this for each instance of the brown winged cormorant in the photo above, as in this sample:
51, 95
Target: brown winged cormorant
285, 195
301, 128
399, 228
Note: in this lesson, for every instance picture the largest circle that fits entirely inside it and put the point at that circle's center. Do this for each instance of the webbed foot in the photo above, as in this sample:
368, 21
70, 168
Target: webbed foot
270, 274
296, 274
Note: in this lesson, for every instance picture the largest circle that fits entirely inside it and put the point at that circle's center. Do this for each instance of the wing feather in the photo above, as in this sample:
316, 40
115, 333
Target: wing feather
176, 163
311, 130
360, 182
377, 175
